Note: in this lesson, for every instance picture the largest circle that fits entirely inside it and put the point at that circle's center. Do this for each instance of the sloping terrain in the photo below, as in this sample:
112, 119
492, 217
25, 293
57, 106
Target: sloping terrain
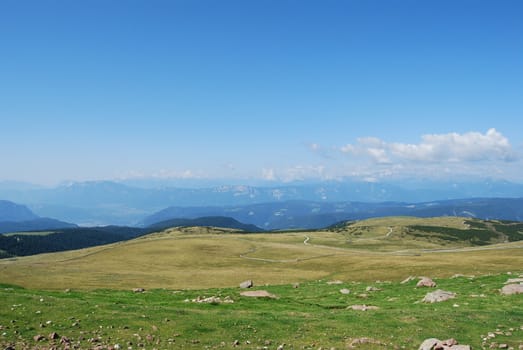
209, 221
205, 257
45, 238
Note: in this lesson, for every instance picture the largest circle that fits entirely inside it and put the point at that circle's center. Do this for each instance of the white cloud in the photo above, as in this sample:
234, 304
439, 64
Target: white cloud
440, 148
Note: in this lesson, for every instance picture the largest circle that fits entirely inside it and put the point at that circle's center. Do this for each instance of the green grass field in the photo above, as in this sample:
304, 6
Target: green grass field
178, 265
309, 317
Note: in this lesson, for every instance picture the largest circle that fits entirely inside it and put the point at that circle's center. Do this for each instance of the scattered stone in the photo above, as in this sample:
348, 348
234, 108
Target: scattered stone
478, 296
246, 284
408, 279
280, 347
64, 340
53, 336
138, 290
372, 289
426, 282
296, 285
213, 300
503, 346
358, 341
436, 344
258, 294
438, 296
334, 282
363, 307
345, 291
514, 280
510, 289
38, 337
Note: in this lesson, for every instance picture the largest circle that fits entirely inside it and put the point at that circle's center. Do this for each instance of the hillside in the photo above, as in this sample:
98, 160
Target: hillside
47, 235
10, 211
37, 224
209, 221
203, 258
30, 243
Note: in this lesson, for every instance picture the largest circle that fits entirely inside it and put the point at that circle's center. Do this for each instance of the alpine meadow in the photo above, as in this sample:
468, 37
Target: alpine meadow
261, 175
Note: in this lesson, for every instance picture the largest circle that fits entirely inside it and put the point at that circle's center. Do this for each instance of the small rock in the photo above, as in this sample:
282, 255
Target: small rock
38, 337
53, 336
514, 280
334, 282
345, 291
438, 296
426, 282
296, 285
280, 347
372, 289
503, 346
258, 294
363, 307
246, 284
138, 290
64, 340
510, 289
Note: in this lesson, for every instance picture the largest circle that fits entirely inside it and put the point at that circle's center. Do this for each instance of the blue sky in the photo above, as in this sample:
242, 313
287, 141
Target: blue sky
275, 90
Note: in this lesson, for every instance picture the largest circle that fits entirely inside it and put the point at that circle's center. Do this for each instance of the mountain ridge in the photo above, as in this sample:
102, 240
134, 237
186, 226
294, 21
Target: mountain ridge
314, 215
124, 203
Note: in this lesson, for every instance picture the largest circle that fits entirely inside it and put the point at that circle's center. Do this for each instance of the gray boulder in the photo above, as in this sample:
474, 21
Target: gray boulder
426, 282
510, 289
246, 284
438, 296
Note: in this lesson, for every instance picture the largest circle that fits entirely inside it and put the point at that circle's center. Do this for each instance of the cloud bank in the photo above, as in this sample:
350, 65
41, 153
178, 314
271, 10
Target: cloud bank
436, 148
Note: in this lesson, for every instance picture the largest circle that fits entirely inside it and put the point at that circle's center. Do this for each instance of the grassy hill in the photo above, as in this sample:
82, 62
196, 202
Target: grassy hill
209, 221
203, 257
84, 298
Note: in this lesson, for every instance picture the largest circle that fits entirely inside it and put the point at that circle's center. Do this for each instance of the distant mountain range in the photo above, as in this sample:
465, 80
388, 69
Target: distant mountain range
312, 215
105, 202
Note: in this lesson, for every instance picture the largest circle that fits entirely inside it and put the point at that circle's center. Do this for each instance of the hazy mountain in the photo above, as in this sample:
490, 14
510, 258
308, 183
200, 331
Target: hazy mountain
17, 218
10, 211
104, 202
307, 214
